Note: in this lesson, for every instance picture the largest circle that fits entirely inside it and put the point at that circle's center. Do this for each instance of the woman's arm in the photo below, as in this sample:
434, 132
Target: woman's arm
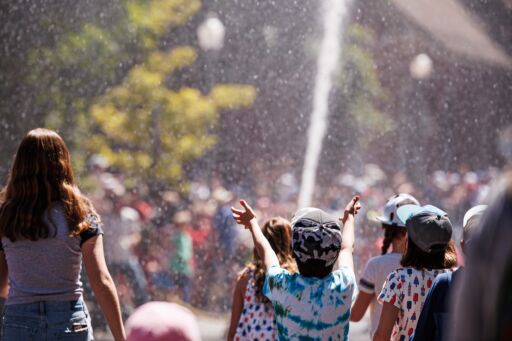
362, 302
247, 217
386, 323
103, 285
4, 288
238, 304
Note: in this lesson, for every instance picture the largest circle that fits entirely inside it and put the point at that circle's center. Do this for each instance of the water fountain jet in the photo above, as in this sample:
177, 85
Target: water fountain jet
333, 14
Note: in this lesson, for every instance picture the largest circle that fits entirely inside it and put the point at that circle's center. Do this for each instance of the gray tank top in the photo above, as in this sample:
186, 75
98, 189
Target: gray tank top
47, 269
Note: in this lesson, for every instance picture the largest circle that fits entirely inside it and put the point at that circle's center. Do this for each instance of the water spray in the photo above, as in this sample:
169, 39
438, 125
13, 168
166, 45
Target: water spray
333, 13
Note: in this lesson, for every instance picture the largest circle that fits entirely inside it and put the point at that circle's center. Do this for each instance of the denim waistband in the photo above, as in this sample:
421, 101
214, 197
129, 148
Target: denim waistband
43, 307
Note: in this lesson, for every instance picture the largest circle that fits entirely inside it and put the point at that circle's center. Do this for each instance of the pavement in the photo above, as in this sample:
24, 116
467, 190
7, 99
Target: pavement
214, 327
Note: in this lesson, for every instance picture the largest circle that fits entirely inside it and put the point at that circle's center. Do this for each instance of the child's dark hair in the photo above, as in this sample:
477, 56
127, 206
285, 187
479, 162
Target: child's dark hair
443, 258
391, 233
278, 232
314, 268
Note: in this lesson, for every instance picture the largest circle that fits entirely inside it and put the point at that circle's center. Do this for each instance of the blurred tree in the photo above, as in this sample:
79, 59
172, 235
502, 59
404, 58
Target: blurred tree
360, 86
145, 128
112, 82
30, 25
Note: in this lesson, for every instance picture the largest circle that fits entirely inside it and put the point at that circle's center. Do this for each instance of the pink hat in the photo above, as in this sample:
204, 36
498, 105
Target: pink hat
162, 321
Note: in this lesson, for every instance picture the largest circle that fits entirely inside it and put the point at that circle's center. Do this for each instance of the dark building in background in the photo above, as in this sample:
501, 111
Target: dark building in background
445, 119
451, 115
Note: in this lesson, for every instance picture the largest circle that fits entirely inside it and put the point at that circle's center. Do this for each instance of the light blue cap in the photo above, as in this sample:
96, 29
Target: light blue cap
406, 212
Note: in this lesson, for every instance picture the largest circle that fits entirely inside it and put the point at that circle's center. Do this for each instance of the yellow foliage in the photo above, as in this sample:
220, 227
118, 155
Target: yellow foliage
156, 16
143, 160
168, 62
140, 78
142, 112
127, 113
231, 96
140, 125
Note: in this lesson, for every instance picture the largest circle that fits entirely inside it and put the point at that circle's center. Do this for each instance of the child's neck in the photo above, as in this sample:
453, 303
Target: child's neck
397, 246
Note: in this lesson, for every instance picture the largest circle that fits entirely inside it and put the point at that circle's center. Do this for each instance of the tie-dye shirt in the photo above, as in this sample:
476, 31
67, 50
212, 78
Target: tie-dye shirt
407, 289
309, 308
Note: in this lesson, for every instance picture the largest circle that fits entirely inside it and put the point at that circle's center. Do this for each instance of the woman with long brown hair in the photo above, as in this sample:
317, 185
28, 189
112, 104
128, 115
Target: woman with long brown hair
252, 315
47, 227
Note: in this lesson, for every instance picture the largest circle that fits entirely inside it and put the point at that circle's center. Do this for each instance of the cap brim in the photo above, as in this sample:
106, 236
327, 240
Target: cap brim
433, 209
405, 212
384, 221
381, 219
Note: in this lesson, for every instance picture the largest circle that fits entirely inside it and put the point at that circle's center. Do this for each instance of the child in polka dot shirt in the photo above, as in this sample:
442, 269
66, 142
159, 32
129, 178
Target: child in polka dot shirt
252, 316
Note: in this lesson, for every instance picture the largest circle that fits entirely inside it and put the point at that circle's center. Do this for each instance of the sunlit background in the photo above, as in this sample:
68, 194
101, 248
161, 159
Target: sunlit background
173, 109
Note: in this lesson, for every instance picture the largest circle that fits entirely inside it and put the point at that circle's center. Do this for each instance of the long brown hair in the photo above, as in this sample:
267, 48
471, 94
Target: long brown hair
41, 174
278, 232
416, 258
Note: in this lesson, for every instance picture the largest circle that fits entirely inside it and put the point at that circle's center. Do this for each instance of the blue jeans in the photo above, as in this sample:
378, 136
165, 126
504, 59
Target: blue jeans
46, 321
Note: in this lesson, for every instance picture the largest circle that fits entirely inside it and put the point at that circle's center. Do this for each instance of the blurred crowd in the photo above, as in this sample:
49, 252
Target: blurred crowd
168, 246
184, 246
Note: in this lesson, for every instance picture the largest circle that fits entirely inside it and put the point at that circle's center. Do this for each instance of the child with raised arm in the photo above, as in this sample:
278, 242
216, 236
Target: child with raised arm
252, 314
314, 303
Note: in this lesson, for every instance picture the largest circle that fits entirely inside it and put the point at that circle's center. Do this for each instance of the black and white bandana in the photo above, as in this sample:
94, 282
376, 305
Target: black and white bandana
315, 235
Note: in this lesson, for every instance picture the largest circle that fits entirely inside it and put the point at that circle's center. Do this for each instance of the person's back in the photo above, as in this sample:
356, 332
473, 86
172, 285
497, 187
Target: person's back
314, 304
316, 307
429, 252
378, 268
372, 279
46, 227
406, 289
38, 274
257, 319
433, 322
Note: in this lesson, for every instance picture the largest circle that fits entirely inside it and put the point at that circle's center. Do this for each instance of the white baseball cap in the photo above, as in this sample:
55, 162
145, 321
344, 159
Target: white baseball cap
473, 211
390, 216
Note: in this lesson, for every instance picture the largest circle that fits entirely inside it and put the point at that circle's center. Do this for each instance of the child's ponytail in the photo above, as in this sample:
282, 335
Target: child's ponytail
390, 233
388, 238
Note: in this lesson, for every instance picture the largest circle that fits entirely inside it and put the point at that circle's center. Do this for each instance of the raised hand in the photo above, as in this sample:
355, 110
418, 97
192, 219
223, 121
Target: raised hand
243, 217
352, 208
247, 217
